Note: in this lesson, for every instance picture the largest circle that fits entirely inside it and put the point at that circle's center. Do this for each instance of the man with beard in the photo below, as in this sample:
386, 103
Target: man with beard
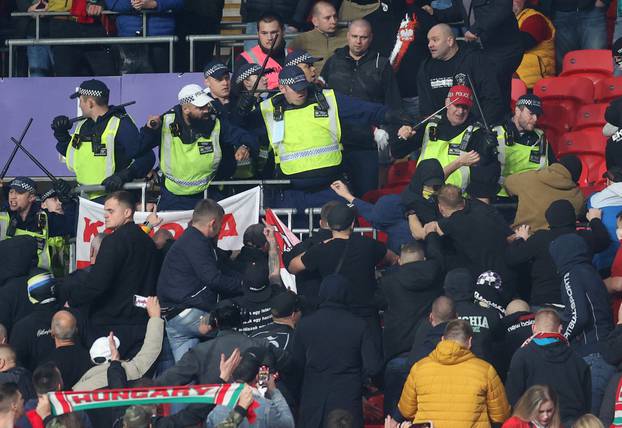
191, 139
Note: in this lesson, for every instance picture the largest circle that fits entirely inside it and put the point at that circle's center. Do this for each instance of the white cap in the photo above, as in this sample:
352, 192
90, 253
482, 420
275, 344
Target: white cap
100, 350
194, 95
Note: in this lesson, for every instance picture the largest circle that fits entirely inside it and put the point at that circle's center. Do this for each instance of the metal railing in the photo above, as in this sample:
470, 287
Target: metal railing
138, 185
11, 43
218, 38
260, 183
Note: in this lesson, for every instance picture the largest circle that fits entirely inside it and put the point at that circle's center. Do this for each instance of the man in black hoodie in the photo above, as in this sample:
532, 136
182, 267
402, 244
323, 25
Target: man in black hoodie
548, 360
460, 286
587, 313
408, 292
534, 249
357, 71
449, 65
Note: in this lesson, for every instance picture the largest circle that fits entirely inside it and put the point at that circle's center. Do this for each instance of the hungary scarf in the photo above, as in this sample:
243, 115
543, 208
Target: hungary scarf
75, 401
617, 415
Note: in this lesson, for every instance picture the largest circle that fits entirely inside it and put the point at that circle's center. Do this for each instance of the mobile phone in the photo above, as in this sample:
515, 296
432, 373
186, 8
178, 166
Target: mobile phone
426, 424
140, 301
262, 381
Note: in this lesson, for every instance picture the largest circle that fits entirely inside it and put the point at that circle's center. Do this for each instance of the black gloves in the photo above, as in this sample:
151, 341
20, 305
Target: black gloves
63, 190
398, 117
61, 126
117, 180
246, 104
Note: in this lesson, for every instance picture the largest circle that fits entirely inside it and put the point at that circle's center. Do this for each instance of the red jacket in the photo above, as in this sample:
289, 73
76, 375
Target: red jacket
516, 422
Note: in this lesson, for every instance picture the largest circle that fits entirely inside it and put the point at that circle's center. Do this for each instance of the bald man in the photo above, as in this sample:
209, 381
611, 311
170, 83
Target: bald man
71, 358
516, 328
325, 37
11, 372
359, 72
448, 65
548, 360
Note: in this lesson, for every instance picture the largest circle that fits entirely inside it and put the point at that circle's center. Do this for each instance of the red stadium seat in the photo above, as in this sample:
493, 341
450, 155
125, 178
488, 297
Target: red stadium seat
590, 116
556, 117
589, 146
595, 64
608, 89
570, 91
373, 195
518, 90
553, 137
400, 173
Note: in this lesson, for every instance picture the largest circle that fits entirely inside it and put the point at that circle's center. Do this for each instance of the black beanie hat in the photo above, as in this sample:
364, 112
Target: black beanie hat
560, 213
573, 165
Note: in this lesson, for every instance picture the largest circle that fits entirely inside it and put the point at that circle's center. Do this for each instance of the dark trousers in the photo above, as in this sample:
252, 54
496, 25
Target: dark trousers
395, 375
361, 166
81, 60
143, 59
506, 61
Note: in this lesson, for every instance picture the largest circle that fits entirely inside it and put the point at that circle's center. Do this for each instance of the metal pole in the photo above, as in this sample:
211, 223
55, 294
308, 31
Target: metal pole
170, 56
191, 41
10, 59
143, 195
37, 27
144, 24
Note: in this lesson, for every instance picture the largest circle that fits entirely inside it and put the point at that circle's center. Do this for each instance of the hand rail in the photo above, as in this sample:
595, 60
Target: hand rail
141, 185
11, 43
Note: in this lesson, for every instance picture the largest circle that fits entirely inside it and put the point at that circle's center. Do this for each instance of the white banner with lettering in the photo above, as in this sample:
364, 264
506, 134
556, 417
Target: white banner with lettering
241, 211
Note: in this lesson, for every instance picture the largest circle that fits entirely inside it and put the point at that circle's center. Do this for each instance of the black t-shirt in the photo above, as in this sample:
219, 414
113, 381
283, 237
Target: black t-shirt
72, 361
257, 308
361, 257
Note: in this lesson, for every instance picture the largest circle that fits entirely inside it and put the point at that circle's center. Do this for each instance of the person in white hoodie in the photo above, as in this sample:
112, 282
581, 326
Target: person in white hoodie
609, 201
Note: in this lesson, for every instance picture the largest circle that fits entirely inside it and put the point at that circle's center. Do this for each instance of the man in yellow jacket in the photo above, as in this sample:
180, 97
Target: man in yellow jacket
453, 388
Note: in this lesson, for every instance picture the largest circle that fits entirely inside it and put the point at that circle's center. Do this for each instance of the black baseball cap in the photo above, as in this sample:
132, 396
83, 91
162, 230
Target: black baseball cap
286, 303
91, 88
341, 217
256, 281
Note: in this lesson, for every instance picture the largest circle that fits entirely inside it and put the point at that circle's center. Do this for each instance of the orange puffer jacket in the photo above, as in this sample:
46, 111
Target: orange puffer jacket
454, 389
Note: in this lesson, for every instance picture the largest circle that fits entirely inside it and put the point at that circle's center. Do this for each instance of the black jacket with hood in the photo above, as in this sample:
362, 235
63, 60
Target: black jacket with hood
557, 365
409, 291
611, 351
426, 209
587, 314
333, 382
485, 322
19, 256
545, 282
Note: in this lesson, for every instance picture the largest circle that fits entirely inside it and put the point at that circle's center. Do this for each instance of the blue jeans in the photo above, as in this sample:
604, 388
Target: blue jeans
601, 373
183, 331
585, 29
40, 61
395, 375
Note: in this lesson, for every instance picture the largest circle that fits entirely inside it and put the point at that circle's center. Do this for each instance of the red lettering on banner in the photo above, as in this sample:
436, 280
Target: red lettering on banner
101, 396
91, 229
229, 227
160, 393
80, 398
176, 229
121, 395
140, 394
202, 390
180, 392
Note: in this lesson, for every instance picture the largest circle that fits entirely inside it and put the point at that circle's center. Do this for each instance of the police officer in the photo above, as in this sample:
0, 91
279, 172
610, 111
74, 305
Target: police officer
525, 147
303, 126
25, 216
217, 78
103, 148
458, 143
191, 138
305, 61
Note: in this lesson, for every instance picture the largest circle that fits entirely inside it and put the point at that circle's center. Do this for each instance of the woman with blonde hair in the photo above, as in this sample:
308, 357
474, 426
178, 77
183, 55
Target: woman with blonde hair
588, 421
537, 408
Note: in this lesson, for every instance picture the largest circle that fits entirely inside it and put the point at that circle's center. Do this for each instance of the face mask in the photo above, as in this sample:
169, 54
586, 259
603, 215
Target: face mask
427, 194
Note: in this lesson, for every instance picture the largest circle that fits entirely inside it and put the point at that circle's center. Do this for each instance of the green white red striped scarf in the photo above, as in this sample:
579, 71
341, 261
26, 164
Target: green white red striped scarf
75, 401
617, 415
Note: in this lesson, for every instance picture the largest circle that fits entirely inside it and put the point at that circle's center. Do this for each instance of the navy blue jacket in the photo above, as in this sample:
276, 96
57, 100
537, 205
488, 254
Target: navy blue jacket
130, 23
587, 314
387, 215
190, 275
126, 145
